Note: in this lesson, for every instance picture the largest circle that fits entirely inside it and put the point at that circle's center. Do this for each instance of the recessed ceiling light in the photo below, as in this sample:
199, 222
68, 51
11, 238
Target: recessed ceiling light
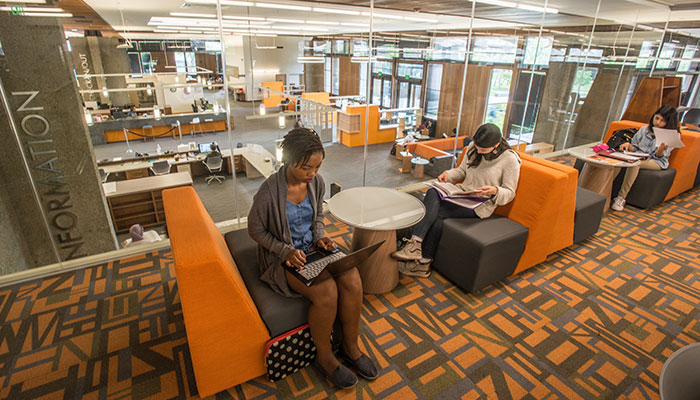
35, 9
180, 14
335, 11
379, 15
283, 6
243, 18
322, 22
289, 21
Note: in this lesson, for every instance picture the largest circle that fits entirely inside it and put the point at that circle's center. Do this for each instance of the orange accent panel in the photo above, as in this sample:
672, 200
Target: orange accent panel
520, 147
427, 151
319, 97
563, 230
375, 135
274, 99
537, 206
685, 161
225, 334
117, 135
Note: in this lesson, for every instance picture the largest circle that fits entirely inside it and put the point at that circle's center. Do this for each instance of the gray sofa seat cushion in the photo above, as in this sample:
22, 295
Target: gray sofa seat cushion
649, 189
589, 212
280, 314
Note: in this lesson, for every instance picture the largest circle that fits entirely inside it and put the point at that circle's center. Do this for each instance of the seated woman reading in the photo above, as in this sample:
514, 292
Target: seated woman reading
286, 220
645, 141
491, 168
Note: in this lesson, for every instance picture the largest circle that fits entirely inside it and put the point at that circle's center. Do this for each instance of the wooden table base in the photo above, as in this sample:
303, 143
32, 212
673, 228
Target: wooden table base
380, 272
599, 179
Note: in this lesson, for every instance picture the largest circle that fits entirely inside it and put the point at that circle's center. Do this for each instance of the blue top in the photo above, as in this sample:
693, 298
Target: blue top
301, 217
643, 141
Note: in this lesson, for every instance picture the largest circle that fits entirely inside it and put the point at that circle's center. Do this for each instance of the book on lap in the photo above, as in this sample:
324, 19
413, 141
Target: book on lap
454, 194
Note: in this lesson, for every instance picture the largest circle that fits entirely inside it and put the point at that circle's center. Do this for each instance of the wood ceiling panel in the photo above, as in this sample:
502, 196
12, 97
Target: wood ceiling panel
84, 18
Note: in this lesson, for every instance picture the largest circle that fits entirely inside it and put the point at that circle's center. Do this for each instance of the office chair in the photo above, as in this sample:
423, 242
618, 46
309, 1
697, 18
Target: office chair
692, 116
214, 164
103, 175
160, 168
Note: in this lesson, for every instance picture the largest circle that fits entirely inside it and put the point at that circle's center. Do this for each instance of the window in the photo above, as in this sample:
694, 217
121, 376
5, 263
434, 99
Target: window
340, 47
583, 81
381, 68
403, 95
688, 52
363, 80
432, 98
386, 93
452, 49
543, 52
335, 76
408, 71
327, 75
322, 48
185, 63
388, 50
495, 49
667, 51
592, 56
499, 91
146, 63
135, 63
376, 93
646, 51
360, 48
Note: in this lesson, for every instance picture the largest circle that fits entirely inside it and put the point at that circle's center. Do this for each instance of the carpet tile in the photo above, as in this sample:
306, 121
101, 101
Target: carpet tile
594, 321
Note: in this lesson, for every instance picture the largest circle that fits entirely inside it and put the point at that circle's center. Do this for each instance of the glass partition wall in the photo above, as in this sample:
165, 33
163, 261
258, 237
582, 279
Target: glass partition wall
164, 83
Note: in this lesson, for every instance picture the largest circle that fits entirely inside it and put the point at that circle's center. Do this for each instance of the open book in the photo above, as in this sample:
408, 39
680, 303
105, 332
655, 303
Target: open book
624, 156
452, 193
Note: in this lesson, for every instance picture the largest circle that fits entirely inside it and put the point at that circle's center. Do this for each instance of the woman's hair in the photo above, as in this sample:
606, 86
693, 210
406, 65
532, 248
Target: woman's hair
670, 116
485, 136
299, 145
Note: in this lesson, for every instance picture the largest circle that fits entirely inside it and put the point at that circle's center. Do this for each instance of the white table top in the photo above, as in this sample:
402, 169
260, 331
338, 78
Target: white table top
376, 208
147, 184
584, 153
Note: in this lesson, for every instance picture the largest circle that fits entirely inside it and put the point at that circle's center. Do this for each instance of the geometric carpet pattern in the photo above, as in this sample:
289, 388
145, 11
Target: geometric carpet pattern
595, 321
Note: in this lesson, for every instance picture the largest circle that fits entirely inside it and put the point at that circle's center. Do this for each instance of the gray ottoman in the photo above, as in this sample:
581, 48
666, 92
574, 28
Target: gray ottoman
474, 253
649, 189
588, 214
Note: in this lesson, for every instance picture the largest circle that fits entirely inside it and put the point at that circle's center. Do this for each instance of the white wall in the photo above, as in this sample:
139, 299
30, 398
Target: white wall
233, 50
267, 63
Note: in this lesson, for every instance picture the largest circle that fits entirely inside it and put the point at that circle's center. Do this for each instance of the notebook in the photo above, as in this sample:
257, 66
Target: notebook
322, 264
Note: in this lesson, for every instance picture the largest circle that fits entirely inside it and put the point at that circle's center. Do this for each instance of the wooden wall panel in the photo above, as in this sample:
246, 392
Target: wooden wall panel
349, 77
475, 97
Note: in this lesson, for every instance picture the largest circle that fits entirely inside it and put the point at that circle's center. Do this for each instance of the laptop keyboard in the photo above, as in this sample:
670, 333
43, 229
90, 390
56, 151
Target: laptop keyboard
312, 269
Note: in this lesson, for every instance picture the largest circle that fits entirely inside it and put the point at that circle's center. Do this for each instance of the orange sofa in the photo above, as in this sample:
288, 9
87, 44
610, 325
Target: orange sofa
225, 332
544, 203
684, 160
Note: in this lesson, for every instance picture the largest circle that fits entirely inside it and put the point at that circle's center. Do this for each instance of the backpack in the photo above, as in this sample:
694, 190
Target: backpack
621, 136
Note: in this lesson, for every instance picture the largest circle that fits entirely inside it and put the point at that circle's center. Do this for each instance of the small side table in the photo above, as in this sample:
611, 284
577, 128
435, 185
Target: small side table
419, 166
405, 162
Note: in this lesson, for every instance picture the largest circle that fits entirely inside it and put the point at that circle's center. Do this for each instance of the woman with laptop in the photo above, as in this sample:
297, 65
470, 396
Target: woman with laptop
286, 219
644, 141
489, 169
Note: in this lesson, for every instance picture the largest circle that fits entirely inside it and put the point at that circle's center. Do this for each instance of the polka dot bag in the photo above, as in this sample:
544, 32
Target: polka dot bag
289, 352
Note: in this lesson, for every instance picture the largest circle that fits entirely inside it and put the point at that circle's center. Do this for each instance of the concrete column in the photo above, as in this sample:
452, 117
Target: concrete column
97, 56
313, 77
50, 178
552, 119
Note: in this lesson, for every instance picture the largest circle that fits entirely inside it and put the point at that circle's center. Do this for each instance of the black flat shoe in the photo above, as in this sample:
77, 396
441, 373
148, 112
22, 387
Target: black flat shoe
364, 365
341, 377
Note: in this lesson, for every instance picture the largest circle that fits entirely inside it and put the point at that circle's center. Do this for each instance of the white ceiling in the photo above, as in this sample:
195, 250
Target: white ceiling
138, 14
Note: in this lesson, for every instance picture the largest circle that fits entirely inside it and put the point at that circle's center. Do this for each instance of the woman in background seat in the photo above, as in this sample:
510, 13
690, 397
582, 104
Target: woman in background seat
286, 220
644, 141
490, 168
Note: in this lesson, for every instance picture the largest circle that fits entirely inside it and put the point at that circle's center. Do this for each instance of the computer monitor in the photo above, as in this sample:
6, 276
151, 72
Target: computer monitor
205, 147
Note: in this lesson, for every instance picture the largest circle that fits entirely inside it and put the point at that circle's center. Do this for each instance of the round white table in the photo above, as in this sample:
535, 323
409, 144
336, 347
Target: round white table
599, 172
376, 213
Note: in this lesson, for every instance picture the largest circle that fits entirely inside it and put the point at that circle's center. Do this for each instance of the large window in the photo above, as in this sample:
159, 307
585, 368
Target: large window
450, 49
539, 47
645, 52
185, 63
410, 79
688, 52
335, 89
583, 81
381, 83
668, 50
499, 90
495, 49
432, 90
327, 63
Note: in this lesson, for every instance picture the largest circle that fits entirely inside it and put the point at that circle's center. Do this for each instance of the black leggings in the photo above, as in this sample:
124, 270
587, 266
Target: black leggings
430, 227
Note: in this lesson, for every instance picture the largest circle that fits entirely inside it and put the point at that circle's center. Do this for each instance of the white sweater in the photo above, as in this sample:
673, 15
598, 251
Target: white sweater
503, 173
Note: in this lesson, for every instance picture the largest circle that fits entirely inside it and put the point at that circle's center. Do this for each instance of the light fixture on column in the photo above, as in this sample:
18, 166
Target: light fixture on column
262, 109
209, 86
177, 78
199, 79
149, 91
281, 121
105, 93
156, 112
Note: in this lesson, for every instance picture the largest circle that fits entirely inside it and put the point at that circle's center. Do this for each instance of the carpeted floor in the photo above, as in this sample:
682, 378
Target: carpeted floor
595, 321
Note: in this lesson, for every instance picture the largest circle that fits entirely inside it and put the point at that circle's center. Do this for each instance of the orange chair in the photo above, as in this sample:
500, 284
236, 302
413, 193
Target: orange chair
225, 333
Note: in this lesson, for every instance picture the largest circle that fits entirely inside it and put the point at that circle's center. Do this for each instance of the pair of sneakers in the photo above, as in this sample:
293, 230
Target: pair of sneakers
409, 257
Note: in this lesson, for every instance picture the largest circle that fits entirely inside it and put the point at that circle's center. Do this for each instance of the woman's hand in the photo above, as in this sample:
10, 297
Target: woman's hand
662, 148
486, 191
296, 259
626, 147
326, 243
442, 177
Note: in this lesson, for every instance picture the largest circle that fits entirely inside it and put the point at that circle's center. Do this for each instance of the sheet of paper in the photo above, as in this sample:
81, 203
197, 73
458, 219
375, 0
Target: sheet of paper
669, 136
109, 187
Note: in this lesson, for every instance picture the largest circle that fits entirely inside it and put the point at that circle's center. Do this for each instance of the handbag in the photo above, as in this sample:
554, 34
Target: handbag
289, 352
621, 136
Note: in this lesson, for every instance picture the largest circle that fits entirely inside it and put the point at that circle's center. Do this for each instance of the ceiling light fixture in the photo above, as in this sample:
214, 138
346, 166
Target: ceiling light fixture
224, 2
426, 20
322, 22
538, 9
54, 15
243, 18
335, 11
35, 9
289, 21
283, 6
354, 24
379, 15
26, 1
179, 14
310, 59
498, 3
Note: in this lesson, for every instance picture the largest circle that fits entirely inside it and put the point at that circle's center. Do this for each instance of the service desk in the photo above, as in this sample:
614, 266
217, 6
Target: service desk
113, 130
139, 201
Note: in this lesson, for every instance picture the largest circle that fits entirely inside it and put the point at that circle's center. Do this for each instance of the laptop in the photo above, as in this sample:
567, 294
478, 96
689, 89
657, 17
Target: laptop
322, 264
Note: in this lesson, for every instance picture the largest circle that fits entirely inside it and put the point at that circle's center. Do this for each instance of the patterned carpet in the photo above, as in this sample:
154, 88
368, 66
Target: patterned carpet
595, 321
